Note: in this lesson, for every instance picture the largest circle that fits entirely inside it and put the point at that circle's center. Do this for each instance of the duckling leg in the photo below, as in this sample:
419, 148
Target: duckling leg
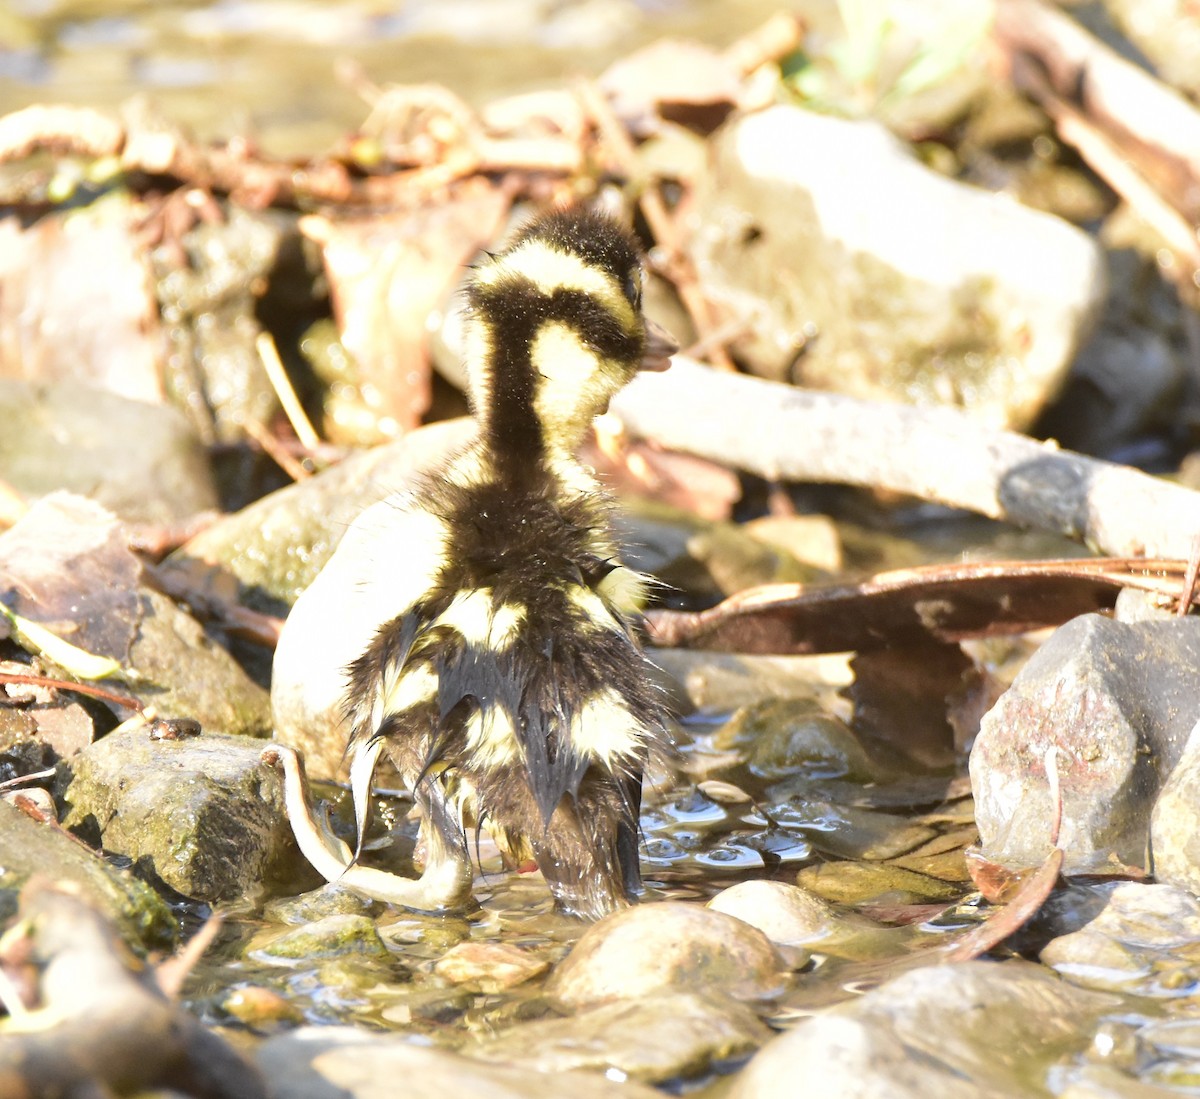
445, 882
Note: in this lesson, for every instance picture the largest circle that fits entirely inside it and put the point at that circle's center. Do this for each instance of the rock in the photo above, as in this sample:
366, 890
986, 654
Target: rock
787, 737
69, 436
492, 967
192, 675
348, 1063
29, 849
967, 299
1145, 941
666, 1036
858, 882
201, 814
667, 946
344, 936
1175, 821
71, 569
1117, 702
786, 914
972, 1031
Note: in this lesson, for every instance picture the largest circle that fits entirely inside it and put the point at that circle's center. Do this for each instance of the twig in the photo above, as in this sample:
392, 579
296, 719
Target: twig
282, 385
1187, 590
782, 433
127, 701
170, 975
33, 776
295, 470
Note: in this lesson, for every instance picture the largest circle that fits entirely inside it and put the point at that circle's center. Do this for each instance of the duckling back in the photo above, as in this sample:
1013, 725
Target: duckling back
512, 691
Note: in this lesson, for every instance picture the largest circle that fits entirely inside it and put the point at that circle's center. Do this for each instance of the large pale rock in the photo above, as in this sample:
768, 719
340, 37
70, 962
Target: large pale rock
1116, 701
861, 271
667, 1036
352, 1063
974, 1031
670, 946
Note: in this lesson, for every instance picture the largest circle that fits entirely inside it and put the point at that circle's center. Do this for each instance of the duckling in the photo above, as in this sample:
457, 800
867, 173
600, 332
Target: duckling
502, 675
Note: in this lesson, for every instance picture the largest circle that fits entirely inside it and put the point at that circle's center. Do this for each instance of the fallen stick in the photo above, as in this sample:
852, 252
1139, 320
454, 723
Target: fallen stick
938, 454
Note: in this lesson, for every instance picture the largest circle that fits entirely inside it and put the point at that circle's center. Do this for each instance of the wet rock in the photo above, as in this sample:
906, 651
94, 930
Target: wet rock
68, 436
847, 831
858, 882
786, 737
1116, 701
1175, 822
323, 1062
328, 900
666, 1036
786, 914
968, 299
973, 1031
1145, 941
330, 937
493, 967
201, 814
666, 946
29, 848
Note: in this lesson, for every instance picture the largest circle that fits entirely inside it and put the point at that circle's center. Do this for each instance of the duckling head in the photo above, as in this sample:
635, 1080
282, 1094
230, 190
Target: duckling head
555, 329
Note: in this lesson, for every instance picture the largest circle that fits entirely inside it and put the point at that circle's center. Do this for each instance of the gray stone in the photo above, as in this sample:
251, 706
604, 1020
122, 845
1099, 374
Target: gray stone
345, 1063
972, 1031
666, 1036
203, 813
667, 946
1144, 941
29, 849
859, 270
1116, 701
1175, 821
140, 460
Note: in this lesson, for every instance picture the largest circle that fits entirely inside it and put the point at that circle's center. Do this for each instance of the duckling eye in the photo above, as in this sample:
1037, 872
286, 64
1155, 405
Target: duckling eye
633, 289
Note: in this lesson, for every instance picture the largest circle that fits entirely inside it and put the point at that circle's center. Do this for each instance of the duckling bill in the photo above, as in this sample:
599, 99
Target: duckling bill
504, 679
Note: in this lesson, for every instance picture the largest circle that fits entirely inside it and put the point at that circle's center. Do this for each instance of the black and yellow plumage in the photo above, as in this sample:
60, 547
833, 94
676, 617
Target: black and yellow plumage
504, 680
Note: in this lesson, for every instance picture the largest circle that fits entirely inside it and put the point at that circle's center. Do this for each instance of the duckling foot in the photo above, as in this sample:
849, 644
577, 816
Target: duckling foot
445, 883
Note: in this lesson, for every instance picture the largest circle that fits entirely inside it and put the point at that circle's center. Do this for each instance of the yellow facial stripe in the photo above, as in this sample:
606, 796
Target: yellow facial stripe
472, 615
604, 729
551, 269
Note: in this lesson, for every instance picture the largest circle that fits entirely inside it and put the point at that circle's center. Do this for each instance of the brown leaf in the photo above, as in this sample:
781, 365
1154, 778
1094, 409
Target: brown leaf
77, 303
1030, 897
67, 565
949, 602
387, 273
